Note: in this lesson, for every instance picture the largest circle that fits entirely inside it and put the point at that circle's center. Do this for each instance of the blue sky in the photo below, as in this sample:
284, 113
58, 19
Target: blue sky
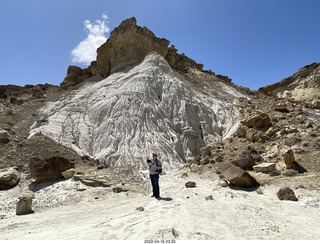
254, 42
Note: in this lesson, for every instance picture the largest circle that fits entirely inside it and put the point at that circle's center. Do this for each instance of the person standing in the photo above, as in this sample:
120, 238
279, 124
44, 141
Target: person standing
155, 167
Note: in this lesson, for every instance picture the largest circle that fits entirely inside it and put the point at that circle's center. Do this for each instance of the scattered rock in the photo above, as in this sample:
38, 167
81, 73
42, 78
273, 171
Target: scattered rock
264, 167
281, 109
270, 132
190, 184
192, 161
223, 183
287, 193
4, 136
259, 191
250, 133
8, 178
49, 168
184, 175
244, 160
140, 209
258, 121
24, 203
287, 156
68, 173
236, 175
209, 198
205, 160
241, 131
120, 188
93, 180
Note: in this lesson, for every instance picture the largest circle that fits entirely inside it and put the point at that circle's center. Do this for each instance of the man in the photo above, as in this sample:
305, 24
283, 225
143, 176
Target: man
154, 167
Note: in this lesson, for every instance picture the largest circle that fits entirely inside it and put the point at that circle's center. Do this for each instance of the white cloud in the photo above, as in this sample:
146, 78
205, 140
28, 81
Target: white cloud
85, 51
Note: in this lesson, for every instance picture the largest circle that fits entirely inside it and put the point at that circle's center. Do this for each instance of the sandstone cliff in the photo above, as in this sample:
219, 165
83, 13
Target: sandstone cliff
304, 85
127, 46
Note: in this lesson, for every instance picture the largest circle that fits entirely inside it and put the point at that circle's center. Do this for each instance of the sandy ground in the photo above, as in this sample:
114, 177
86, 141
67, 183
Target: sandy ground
182, 213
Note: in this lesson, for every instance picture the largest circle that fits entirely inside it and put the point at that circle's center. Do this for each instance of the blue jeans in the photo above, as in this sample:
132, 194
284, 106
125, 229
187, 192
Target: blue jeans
155, 184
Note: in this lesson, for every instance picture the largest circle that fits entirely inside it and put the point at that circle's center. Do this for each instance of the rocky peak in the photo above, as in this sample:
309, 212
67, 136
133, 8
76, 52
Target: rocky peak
127, 46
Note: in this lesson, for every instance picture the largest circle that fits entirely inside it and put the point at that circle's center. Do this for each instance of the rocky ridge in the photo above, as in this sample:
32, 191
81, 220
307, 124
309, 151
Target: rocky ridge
304, 86
127, 46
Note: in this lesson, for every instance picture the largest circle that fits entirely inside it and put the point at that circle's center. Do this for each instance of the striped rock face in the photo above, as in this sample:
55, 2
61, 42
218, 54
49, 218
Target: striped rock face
122, 119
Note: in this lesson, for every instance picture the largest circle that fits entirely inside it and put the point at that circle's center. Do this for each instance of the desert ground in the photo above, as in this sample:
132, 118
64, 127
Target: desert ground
205, 212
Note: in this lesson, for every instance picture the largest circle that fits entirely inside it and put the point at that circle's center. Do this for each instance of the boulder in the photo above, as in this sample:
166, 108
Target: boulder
244, 160
259, 121
236, 175
264, 167
241, 131
222, 183
4, 136
8, 178
49, 168
287, 156
287, 193
250, 133
190, 184
68, 173
94, 180
270, 132
24, 203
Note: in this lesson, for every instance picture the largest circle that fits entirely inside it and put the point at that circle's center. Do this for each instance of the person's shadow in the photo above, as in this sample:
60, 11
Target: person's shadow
164, 199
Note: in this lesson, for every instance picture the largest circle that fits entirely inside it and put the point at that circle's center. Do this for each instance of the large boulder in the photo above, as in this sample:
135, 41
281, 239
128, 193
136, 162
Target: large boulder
8, 178
4, 136
49, 168
259, 121
244, 160
236, 175
24, 203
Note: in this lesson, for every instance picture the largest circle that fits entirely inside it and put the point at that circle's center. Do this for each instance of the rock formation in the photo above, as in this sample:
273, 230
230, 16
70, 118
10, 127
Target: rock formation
8, 178
304, 85
127, 46
236, 175
125, 117
49, 168
24, 205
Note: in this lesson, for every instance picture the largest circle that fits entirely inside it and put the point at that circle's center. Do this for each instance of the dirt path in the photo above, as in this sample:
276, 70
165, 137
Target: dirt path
181, 213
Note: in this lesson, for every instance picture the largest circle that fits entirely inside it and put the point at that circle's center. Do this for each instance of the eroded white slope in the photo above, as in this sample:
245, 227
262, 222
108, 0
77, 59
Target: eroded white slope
122, 119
